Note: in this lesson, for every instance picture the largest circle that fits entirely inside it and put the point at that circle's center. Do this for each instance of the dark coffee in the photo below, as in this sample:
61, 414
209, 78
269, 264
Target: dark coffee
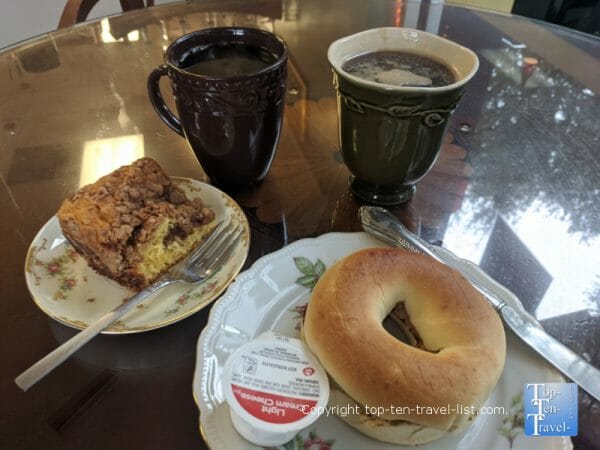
227, 60
400, 68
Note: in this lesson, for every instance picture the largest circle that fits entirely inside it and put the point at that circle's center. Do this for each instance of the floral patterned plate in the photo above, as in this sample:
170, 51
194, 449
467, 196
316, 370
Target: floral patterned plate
272, 295
68, 290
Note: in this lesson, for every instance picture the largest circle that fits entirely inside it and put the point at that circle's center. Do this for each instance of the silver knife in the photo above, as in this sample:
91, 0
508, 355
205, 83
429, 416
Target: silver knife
386, 227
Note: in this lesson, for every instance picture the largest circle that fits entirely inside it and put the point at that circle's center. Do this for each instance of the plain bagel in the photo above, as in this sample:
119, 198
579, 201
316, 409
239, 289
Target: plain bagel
461, 337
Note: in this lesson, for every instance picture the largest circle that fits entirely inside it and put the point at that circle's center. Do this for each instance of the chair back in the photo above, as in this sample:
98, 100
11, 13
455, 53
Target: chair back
77, 11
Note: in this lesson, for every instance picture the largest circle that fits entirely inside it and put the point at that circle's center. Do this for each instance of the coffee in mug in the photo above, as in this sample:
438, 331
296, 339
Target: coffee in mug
400, 68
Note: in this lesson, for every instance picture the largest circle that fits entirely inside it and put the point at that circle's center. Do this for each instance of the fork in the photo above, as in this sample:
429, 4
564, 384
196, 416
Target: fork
201, 264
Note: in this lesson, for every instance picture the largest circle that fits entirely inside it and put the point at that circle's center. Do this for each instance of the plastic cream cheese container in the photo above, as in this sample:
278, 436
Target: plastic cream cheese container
274, 387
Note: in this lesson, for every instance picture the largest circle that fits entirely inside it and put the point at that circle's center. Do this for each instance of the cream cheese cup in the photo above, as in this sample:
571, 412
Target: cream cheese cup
274, 388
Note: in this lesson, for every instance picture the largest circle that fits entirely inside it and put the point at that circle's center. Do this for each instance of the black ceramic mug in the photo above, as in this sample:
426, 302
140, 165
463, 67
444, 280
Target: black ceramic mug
229, 89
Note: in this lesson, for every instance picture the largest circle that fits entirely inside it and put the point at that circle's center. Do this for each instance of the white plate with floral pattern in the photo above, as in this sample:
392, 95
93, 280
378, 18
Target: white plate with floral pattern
272, 295
68, 290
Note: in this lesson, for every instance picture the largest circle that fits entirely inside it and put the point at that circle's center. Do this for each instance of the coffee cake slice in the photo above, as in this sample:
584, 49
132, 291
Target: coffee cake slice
133, 224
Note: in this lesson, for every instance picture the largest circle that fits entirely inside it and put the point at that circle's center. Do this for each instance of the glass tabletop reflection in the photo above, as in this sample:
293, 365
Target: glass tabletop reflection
515, 189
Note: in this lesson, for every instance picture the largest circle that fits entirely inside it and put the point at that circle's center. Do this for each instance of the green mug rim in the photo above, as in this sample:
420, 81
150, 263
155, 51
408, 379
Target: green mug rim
399, 89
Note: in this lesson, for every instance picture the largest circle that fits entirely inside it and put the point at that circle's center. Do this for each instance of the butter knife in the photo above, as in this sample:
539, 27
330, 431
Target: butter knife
386, 227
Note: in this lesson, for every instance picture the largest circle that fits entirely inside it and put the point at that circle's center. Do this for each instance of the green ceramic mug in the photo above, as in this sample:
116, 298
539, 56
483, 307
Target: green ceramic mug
390, 136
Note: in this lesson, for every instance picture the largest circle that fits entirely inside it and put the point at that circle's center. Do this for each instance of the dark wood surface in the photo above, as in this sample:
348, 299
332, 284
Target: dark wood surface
516, 189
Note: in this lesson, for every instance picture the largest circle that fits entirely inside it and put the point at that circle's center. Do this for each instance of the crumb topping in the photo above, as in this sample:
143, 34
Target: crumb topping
109, 220
132, 198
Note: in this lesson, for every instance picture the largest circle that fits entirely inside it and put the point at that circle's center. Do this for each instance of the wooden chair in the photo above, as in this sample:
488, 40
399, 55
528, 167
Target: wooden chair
78, 10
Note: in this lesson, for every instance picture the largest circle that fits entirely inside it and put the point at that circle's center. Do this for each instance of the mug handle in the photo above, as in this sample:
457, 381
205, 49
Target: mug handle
158, 101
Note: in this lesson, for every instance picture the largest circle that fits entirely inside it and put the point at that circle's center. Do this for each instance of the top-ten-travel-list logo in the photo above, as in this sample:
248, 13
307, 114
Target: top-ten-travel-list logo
550, 409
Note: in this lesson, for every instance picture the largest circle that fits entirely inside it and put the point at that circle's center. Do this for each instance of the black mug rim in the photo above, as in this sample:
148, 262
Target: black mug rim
281, 59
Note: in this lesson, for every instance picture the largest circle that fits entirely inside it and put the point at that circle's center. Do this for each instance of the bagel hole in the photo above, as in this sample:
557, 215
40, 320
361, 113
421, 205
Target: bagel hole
398, 324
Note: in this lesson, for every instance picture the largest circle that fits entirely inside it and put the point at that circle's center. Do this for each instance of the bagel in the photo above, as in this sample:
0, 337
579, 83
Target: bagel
458, 357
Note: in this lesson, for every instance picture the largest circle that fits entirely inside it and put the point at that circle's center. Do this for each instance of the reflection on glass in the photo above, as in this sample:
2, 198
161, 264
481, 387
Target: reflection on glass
411, 15
291, 11
434, 16
547, 234
542, 188
466, 235
520, 69
107, 37
564, 253
165, 31
102, 156
406, 13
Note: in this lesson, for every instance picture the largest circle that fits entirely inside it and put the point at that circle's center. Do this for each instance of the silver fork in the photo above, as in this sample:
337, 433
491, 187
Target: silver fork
203, 262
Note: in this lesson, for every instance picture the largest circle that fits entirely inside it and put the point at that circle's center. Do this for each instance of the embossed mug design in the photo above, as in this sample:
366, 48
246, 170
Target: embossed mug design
390, 136
232, 123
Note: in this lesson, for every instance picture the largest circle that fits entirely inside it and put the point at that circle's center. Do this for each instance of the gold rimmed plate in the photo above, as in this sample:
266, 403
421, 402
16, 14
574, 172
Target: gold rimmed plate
68, 290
